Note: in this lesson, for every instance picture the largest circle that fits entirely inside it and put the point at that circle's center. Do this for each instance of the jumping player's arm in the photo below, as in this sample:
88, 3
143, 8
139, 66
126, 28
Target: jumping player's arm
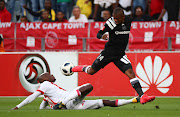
44, 105
109, 25
28, 100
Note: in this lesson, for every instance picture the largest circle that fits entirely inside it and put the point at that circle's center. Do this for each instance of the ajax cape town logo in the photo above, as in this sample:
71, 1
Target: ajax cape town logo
154, 74
30, 68
51, 39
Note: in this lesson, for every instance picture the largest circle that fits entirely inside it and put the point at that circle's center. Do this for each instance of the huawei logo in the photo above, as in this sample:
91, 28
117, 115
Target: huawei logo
154, 74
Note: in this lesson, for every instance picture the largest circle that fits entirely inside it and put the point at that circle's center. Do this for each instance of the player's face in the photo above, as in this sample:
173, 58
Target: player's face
76, 12
119, 19
52, 78
2, 5
45, 15
47, 5
60, 15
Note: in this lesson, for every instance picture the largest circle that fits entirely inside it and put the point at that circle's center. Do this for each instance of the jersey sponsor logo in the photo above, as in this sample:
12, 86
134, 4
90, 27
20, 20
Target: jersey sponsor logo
124, 27
121, 32
154, 74
32, 66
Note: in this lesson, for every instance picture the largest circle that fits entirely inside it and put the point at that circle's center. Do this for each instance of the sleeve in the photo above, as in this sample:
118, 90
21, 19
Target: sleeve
105, 29
29, 99
43, 87
38, 14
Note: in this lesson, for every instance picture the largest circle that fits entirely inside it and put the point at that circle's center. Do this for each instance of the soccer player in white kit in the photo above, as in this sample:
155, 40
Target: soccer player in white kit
53, 95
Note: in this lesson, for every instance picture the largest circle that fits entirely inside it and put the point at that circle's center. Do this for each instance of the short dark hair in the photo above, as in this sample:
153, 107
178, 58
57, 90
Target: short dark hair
76, 7
118, 11
139, 7
47, 1
2, 1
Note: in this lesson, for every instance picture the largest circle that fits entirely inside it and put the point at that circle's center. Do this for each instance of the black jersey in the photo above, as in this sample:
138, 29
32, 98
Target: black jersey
118, 36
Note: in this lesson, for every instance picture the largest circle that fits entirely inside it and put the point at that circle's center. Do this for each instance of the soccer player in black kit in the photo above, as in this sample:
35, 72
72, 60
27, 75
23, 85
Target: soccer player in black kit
118, 27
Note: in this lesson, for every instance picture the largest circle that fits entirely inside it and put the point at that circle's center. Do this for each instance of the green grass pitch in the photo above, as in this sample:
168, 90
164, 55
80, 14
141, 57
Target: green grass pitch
168, 107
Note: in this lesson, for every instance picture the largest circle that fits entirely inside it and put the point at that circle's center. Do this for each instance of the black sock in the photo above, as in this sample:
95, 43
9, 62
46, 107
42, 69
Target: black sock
84, 69
136, 85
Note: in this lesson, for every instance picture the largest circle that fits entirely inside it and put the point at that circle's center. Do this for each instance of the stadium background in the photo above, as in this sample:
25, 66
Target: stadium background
153, 50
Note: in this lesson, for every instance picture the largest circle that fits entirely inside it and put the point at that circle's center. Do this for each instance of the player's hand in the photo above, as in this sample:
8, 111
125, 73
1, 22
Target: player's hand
15, 108
105, 37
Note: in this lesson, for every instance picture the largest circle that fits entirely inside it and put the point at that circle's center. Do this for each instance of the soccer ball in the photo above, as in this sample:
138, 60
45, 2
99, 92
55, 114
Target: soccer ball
66, 68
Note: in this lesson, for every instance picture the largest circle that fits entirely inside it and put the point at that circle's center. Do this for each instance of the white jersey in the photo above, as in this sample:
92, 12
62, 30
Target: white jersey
52, 92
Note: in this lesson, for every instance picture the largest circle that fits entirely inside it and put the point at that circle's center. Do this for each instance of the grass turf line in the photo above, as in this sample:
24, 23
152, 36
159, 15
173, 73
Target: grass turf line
168, 107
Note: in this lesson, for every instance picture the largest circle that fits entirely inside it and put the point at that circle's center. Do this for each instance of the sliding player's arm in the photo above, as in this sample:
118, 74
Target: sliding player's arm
28, 100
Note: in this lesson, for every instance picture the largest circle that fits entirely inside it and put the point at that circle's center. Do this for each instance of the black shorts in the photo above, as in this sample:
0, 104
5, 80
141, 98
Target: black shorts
122, 63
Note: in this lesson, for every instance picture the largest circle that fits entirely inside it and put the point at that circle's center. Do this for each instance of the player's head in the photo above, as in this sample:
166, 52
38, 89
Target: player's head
60, 15
46, 77
24, 19
47, 4
2, 5
106, 14
138, 11
76, 12
45, 15
118, 15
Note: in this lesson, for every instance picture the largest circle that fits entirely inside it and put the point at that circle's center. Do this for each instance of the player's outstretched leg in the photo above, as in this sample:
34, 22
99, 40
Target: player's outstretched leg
79, 68
81, 91
84, 68
119, 102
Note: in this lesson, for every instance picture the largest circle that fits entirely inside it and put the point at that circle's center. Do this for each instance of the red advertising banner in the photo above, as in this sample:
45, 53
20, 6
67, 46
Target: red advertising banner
10, 83
156, 72
173, 31
67, 36
95, 44
7, 31
19, 71
147, 35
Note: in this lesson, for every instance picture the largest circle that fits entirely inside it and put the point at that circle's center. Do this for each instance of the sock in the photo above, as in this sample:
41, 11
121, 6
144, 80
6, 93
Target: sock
86, 68
120, 102
79, 68
72, 95
136, 85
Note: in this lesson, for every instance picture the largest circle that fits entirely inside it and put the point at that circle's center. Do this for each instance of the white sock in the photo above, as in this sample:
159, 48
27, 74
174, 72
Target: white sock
120, 102
86, 69
71, 96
